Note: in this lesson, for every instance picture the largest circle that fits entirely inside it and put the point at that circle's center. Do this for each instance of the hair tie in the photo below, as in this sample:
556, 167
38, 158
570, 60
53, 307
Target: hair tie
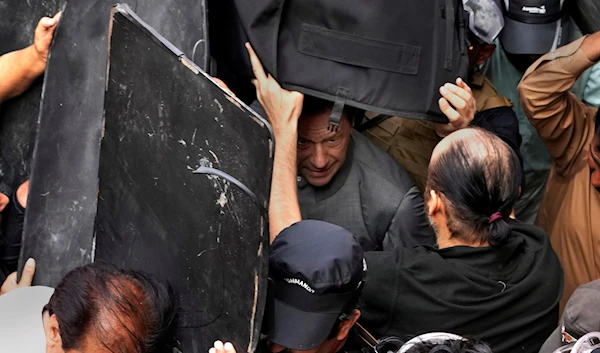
496, 216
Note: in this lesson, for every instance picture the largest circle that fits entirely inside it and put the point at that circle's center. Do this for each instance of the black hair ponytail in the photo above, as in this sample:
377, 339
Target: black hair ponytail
499, 231
476, 177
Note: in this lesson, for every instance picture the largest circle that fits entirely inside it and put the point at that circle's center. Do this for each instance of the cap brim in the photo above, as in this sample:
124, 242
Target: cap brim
524, 38
553, 342
296, 329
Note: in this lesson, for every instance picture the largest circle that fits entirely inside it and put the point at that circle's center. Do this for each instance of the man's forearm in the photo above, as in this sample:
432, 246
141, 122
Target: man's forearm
284, 209
18, 70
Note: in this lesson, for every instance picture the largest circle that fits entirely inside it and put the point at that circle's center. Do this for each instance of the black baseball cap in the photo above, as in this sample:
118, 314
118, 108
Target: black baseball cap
533, 26
316, 269
581, 316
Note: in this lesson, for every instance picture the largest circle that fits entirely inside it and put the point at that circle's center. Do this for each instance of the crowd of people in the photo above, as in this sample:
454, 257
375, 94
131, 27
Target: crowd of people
386, 234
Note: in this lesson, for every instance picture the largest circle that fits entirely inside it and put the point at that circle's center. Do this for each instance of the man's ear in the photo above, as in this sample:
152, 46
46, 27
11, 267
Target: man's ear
434, 203
53, 339
485, 53
346, 325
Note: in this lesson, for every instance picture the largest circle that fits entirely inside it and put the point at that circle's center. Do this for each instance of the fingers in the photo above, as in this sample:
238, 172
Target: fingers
28, 273
9, 284
462, 84
4, 200
257, 68
47, 22
457, 96
448, 111
218, 347
229, 348
223, 85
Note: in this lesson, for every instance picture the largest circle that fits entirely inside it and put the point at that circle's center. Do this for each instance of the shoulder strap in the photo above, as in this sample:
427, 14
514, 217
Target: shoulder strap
496, 102
487, 95
372, 122
366, 336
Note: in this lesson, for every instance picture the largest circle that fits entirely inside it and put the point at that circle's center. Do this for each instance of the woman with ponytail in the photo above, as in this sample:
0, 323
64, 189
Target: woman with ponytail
489, 277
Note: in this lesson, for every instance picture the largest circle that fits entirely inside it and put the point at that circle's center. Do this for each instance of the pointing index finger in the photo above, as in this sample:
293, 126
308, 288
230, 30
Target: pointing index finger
257, 68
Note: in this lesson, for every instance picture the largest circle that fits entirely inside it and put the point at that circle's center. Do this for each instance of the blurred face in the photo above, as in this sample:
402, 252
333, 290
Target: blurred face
478, 54
321, 153
522, 61
594, 161
330, 345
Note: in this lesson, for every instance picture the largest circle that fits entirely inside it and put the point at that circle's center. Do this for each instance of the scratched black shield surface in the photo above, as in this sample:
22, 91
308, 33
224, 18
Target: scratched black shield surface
59, 221
163, 120
182, 22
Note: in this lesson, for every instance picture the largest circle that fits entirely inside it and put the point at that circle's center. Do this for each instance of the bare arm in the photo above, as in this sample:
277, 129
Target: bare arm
284, 209
18, 69
283, 109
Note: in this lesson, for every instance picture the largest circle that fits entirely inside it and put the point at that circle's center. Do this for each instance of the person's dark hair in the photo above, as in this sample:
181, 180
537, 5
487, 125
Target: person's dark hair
476, 177
313, 106
597, 121
122, 310
451, 346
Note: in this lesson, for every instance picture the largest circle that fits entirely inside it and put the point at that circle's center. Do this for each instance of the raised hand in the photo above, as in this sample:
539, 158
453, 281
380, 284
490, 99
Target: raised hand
283, 107
26, 278
458, 104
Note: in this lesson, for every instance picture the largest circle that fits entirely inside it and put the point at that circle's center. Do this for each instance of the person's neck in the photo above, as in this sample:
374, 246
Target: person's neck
446, 240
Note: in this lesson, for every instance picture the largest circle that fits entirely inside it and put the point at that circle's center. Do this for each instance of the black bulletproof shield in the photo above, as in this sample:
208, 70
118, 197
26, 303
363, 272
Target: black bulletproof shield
19, 116
182, 22
386, 56
64, 175
151, 166
167, 202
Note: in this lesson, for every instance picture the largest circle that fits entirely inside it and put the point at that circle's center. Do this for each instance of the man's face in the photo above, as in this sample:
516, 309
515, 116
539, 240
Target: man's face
594, 161
321, 153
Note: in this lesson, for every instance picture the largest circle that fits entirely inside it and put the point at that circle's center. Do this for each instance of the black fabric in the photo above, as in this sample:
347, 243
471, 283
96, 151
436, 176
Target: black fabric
503, 122
12, 234
586, 14
389, 61
508, 296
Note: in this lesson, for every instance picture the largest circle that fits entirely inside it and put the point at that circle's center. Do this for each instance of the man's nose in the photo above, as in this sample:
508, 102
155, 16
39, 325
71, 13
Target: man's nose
319, 157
